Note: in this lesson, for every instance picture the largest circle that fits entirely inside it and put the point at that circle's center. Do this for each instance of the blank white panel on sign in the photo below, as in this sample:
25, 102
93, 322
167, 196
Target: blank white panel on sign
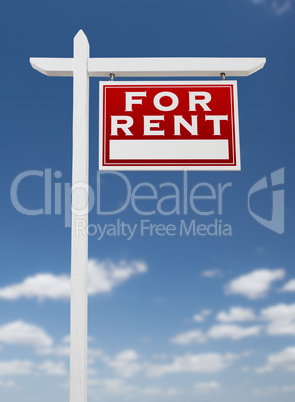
168, 149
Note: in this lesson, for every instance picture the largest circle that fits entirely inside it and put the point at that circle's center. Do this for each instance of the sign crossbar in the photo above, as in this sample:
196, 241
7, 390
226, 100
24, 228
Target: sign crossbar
153, 67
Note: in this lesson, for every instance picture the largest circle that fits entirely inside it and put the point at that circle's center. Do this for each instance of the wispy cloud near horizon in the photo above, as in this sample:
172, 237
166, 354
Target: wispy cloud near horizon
103, 277
278, 7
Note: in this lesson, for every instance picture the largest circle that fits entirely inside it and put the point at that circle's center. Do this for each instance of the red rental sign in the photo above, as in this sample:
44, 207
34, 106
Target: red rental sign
166, 125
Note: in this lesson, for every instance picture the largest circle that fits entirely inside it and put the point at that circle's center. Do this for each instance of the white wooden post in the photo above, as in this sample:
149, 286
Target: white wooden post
79, 257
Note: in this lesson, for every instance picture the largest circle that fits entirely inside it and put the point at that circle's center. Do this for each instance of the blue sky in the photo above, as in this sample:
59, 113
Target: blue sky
180, 318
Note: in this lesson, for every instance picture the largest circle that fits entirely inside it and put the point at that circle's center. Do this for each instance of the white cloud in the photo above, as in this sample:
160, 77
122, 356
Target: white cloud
265, 391
116, 386
273, 390
233, 332
201, 317
67, 339
103, 277
52, 368
212, 273
128, 364
21, 333
160, 356
284, 360
279, 7
113, 386
278, 312
125, 364
64, 351
6, 384
278, 320
155, 391
119, 387
219, 331
290, 388
187, 338
152, 391
198, 318
281, 319
274, 320
61, 351
92, 372
202, 363
289, 286
16, 367
206, 387
146, 339
236, 314
172, 392
25, 367
40, 286
256, 284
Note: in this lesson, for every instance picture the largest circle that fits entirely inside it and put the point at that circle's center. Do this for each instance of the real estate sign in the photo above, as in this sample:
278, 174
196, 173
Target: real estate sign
164, 125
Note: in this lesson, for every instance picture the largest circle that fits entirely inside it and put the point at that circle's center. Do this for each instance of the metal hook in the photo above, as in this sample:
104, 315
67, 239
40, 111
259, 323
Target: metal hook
223, 76
112, 75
